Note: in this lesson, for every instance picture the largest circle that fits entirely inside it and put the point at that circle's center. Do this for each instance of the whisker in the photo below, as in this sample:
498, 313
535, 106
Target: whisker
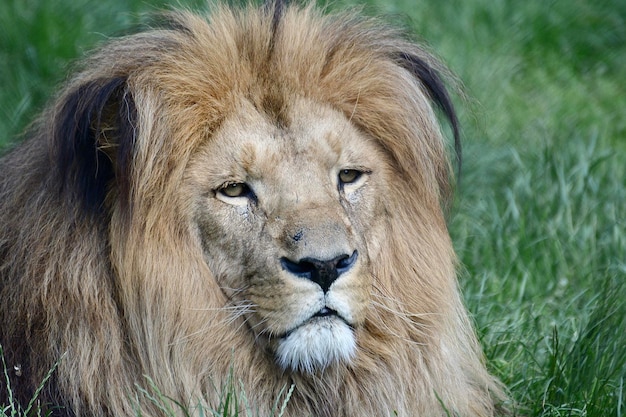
232, 313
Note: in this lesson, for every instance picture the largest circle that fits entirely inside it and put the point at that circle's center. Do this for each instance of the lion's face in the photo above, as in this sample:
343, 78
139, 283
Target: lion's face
287, 218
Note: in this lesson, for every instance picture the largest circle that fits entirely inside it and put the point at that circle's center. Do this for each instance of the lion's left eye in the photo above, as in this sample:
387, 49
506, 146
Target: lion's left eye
349, 176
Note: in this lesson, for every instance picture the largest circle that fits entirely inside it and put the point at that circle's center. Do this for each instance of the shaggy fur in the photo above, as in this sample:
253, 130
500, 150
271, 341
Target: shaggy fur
123, 255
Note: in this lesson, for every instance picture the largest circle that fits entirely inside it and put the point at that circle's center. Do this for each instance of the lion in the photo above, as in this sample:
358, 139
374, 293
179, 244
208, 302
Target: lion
257, 195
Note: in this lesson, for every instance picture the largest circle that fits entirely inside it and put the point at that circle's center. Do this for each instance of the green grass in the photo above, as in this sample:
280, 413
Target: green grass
540, 216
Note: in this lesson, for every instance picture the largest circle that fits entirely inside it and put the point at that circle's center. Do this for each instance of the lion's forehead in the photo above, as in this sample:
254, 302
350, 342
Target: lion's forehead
317, 142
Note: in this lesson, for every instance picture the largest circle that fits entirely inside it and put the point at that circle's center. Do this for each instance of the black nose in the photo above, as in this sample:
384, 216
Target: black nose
323, 273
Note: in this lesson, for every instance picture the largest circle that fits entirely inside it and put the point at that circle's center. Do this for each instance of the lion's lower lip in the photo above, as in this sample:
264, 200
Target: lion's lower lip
325, 314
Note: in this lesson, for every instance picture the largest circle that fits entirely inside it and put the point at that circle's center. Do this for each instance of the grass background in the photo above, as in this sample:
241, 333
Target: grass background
540, 216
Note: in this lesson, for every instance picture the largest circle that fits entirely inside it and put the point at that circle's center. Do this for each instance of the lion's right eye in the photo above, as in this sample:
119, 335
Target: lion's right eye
235, 189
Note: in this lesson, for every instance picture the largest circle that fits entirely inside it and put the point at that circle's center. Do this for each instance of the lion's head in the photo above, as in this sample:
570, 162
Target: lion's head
290, 216
257, 194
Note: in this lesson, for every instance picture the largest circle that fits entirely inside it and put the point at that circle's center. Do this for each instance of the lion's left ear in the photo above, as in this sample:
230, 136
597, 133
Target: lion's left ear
435, 87
92, 141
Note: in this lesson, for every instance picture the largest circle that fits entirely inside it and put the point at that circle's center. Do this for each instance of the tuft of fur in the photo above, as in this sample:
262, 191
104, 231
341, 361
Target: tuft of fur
103, 267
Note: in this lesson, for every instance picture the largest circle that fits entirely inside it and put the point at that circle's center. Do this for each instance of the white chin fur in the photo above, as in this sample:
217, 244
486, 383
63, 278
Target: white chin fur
316, 345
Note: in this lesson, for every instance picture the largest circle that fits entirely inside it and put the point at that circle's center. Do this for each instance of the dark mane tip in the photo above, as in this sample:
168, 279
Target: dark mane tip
438, 93
84, 169
276, 8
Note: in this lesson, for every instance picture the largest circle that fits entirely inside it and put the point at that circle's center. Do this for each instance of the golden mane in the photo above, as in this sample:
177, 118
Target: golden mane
101, 264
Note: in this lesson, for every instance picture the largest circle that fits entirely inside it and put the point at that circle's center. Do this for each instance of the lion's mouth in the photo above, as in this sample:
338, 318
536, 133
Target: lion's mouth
323, 339
325, 314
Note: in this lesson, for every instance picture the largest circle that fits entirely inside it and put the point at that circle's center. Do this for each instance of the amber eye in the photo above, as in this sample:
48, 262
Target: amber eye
348, 176
235, 189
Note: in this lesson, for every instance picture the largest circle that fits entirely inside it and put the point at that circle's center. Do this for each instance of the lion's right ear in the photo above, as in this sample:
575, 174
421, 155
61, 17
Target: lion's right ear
93, 138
